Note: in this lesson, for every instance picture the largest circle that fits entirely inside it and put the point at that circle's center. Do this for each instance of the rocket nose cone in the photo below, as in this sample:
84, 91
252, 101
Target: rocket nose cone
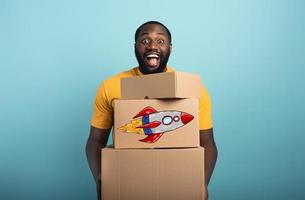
186, 118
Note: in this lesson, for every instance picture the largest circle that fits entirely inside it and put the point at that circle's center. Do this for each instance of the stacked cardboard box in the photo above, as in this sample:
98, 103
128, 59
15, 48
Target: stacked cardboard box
156, 154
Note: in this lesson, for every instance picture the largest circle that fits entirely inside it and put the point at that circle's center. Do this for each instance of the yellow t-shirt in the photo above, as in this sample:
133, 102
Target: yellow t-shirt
110, 90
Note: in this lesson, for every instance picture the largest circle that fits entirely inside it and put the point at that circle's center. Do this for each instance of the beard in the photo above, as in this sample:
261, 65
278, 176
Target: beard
146, 69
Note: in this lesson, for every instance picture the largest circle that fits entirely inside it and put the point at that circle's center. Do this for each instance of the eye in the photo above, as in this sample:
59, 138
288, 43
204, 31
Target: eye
145, 41
160, 41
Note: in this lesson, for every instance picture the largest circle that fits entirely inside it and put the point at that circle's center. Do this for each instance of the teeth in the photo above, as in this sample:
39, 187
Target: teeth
152, 56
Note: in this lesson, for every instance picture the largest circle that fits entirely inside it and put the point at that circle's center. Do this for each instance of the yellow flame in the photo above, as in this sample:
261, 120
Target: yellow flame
132, 127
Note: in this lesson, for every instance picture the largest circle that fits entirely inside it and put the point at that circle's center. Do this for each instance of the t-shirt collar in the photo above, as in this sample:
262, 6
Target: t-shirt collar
139, 73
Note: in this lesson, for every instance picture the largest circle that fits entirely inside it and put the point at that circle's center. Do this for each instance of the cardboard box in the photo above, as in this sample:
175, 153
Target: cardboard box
161, 85
151, 123
153, 174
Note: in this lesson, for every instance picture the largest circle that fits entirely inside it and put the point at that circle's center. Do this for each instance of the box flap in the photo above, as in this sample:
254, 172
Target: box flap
161, 86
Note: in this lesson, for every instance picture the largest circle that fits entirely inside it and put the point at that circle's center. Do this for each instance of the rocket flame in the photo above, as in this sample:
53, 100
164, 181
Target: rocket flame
132, 127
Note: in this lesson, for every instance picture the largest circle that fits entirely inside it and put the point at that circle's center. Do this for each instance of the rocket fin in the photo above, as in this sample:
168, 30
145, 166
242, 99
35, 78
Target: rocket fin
153, 124
146, 111
152, 138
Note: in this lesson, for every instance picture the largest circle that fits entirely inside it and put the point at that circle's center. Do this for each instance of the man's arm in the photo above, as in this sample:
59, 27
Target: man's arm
97, 139
210, 155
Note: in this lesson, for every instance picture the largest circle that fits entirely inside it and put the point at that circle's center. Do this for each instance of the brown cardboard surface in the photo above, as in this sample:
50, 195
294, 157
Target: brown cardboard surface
161, 85
186, 135
153, 174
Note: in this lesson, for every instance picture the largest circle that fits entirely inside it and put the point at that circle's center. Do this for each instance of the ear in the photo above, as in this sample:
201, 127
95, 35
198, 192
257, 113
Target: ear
170, 48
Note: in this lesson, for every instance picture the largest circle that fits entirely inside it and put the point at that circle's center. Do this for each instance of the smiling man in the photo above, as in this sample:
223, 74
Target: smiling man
152, 48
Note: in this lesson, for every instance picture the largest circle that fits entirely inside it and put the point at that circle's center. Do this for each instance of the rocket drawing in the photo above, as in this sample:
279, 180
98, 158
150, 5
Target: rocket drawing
153, 124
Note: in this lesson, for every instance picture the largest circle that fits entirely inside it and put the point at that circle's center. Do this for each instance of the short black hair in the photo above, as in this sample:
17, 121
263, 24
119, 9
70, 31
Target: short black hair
153, 22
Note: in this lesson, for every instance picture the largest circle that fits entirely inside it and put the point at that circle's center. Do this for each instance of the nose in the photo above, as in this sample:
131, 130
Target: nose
186, 118
152, 45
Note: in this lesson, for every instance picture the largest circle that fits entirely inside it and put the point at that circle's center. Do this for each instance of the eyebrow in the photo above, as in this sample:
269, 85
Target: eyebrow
160, 33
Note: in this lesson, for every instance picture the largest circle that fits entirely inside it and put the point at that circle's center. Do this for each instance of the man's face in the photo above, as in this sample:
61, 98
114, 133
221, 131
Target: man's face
152, 49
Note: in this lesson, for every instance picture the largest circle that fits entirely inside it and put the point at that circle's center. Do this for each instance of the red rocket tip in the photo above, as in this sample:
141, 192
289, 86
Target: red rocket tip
186, 118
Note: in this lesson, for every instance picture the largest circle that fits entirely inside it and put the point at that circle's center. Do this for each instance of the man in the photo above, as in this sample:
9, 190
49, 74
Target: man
152, 49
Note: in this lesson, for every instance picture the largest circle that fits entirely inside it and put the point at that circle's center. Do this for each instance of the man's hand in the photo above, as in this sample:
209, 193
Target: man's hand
206, 193
96, 141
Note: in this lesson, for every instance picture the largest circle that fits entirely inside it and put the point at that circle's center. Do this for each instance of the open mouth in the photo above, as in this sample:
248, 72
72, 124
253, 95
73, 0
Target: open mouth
152, 60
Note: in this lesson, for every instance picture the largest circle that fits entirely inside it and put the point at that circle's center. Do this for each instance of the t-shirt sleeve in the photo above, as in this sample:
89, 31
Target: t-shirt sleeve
205, 110
102, 111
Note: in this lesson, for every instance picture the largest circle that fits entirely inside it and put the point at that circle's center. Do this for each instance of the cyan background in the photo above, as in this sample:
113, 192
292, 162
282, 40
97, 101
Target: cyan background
249, 53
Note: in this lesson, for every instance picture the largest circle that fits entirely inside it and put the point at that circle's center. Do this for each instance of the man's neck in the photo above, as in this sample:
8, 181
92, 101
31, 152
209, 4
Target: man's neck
143, 71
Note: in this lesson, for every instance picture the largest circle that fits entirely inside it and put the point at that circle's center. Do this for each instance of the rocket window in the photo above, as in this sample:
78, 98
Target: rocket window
176, 118
167, 120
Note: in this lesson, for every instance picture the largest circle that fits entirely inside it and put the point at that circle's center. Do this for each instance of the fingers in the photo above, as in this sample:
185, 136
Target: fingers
205, 193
